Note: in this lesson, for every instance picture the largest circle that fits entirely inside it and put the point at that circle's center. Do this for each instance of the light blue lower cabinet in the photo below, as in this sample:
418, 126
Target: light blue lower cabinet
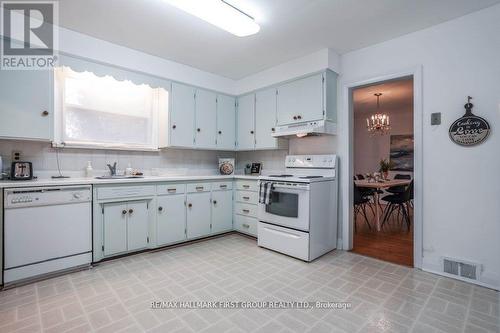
222, 211
126, 227
171, 219
198, 214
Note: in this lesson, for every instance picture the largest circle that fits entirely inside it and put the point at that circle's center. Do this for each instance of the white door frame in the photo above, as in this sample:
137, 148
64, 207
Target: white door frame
346, 149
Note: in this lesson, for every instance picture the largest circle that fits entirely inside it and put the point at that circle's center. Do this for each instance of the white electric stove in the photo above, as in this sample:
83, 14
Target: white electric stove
301, 220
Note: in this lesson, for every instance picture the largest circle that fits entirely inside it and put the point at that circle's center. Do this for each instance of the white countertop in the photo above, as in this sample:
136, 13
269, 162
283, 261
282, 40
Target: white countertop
94, 181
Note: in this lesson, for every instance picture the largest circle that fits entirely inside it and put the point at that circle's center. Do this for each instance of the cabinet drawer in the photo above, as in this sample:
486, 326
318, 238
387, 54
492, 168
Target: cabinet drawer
170, 189
221, 186
292, 242
125, 192
247, 185
247, 197
245, 209
198, 187
245, 224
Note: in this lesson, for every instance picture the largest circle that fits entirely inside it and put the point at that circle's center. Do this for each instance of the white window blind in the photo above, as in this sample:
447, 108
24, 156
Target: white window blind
103, 112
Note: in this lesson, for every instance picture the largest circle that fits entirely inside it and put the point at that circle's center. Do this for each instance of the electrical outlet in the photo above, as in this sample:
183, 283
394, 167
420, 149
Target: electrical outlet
16, 155
436, 118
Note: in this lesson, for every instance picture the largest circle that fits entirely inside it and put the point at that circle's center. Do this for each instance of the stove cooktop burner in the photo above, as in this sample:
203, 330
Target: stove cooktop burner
281, 176
310, 177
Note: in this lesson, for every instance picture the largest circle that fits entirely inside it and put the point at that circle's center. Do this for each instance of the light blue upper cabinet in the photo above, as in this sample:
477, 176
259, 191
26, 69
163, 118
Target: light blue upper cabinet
206, 119
182, 110
26, 104
301, 100
246, 123
226, 122
265, 119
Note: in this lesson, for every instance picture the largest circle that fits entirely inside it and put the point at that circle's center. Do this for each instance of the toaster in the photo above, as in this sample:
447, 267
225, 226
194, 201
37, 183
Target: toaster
21, 171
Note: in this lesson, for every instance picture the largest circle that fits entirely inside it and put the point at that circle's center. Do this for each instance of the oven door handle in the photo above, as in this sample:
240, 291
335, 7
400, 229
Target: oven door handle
282, 233
291, 187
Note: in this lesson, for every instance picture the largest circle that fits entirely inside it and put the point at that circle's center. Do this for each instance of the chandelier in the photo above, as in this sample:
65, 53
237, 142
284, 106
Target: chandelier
379, 122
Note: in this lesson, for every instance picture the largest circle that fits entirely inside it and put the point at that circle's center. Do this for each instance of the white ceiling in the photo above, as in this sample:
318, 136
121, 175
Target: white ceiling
396, 96
289, 28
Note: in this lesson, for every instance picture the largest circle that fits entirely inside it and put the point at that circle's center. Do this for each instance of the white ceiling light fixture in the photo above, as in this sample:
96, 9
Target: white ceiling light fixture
221, 14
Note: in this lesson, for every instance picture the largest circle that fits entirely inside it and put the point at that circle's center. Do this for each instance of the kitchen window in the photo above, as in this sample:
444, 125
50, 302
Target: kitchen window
100, 111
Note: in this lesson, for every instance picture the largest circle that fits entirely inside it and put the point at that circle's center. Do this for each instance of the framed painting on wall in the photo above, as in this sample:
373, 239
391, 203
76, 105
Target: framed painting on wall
401, 152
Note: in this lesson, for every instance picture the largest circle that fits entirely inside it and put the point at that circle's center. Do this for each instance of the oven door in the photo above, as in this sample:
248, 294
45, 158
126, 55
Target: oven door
289, 206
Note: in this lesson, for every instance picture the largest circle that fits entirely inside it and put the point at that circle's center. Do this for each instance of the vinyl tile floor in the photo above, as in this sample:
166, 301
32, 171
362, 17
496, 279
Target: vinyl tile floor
117, 296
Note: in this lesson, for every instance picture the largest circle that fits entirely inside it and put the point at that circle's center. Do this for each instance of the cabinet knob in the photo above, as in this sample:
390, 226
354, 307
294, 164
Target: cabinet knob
251, 132
45, 113
124, 212
294, 117
190, 205
130, 211
299, 117
160, 208
273, 129
220, 132
215, 202
198, 129
174, 126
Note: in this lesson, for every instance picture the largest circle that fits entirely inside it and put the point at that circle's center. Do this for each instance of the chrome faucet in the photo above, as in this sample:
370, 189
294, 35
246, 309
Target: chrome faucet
112, 169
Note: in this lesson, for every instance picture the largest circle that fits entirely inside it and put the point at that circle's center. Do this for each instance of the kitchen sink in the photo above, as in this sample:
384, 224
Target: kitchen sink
118, 177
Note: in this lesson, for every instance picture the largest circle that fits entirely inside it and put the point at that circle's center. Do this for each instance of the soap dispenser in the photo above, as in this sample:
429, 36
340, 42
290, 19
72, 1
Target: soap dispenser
89, 171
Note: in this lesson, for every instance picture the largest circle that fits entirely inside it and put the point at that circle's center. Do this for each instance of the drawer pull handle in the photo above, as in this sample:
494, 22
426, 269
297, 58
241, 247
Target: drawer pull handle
223, 186
171, 190
244, 225
246, 198
199, 188
246, 186
246, 211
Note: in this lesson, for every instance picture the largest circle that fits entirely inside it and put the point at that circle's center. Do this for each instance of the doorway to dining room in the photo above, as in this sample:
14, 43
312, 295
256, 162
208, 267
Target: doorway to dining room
383, 165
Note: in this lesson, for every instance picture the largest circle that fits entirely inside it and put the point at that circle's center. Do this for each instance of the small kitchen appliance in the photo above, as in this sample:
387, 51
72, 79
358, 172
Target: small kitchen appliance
21, 171
300, 220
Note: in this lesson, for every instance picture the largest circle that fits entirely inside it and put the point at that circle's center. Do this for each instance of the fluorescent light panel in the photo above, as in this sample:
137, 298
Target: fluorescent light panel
220, 14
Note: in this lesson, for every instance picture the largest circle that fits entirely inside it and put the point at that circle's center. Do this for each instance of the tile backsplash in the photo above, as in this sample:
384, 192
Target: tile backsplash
165, 162
73, 161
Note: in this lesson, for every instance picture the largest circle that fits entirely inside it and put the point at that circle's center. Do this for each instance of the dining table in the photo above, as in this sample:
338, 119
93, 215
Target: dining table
380, 185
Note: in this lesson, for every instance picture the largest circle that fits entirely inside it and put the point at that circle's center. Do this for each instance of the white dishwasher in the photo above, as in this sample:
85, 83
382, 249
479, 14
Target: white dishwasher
46, 229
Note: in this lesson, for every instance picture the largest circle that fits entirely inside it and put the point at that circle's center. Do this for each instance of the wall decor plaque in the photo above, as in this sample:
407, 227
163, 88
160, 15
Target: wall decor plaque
469, 130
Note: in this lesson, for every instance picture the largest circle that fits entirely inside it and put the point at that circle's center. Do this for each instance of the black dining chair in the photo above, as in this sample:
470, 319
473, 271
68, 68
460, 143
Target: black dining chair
399, 203
400, 188
360, 202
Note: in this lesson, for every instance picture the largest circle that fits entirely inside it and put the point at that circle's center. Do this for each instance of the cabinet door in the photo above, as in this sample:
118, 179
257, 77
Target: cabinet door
246, 122
265, 119
137, 226
198, 214
226, 122
115, 228
182, 116
171, 219
206, 119
26, 104
301, 100
222, 211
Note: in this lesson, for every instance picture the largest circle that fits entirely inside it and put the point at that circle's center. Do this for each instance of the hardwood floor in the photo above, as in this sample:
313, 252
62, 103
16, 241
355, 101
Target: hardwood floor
394, 243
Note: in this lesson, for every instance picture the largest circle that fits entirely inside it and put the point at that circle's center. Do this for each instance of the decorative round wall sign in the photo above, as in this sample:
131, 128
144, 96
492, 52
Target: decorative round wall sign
469, 130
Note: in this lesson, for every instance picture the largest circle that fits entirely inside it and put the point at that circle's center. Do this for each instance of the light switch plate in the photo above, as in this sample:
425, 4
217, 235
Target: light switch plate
436, 118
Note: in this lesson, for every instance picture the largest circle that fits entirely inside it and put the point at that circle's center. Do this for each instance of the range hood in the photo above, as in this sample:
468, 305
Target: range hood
310, 128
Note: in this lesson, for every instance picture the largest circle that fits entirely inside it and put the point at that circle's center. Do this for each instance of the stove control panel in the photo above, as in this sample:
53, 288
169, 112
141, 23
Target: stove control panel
311, 161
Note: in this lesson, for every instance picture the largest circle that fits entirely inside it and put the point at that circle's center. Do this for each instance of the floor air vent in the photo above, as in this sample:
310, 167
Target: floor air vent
463, 269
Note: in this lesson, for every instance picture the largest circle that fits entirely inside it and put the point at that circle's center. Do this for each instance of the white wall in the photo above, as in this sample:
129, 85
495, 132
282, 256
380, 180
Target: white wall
461, 187
370, 149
